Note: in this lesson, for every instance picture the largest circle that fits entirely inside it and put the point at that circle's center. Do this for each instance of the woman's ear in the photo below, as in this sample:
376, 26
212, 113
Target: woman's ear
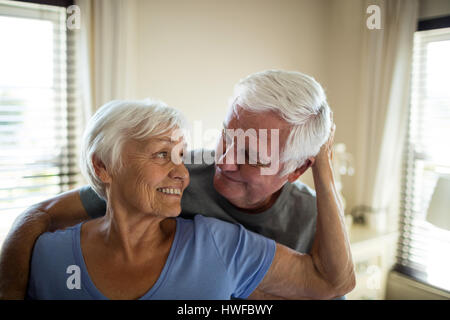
100, 170
300, 170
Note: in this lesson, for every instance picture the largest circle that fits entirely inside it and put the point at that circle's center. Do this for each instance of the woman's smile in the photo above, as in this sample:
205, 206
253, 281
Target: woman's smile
170, 191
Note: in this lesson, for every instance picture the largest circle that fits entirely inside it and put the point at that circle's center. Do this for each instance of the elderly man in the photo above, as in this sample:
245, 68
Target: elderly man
275, 205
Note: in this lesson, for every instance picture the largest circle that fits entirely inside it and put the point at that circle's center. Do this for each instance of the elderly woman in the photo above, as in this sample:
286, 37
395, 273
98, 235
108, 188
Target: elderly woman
131, 156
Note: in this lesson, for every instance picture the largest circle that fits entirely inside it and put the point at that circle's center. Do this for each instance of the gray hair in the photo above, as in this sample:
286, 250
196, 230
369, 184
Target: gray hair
117, 122
298, 99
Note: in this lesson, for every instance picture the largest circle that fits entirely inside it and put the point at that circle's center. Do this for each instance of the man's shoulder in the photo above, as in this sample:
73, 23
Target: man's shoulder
295, 221
301, 199
201, 175
300, 189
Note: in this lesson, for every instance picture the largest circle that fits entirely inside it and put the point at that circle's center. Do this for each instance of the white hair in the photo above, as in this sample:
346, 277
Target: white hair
298, 99
117, 122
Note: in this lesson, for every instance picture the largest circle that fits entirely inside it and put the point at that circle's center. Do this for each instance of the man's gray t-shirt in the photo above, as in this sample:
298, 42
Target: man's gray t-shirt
290, 221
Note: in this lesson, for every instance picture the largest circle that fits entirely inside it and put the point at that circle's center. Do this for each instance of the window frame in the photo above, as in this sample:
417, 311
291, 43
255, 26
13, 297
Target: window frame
409, 162
69, 172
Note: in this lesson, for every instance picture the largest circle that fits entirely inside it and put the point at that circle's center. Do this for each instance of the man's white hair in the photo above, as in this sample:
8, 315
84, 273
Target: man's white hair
298, 99
117, 122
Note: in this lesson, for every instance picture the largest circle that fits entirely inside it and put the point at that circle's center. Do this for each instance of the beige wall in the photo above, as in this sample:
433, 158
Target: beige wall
344, 23
347, 20
433, 8
193, 52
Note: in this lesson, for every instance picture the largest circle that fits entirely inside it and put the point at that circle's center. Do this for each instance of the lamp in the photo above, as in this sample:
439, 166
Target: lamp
439, 210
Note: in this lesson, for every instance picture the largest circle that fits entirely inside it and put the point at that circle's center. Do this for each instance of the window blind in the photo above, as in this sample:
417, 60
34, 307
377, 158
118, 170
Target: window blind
38, 107
424, 249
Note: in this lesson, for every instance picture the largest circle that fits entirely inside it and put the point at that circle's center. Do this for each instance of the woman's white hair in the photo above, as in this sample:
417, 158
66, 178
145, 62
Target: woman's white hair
298, 99
117, 122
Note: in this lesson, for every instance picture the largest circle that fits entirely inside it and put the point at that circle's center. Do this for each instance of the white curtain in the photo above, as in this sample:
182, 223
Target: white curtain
384, 98
107, 51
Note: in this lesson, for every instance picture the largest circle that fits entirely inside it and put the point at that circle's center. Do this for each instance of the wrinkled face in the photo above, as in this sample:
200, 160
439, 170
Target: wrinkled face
149, 181
244, 185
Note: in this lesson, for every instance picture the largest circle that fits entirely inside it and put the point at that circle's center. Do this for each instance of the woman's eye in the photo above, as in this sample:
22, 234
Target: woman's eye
161, 155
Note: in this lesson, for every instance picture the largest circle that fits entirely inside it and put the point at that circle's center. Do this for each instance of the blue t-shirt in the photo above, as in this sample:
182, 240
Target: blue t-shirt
209, 259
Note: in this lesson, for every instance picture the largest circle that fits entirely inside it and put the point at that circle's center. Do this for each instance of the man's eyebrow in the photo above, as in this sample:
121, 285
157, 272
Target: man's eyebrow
260, 161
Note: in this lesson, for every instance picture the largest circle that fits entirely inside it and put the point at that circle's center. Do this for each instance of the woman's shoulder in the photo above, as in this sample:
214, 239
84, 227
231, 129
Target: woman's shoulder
207, 229
56, 241
53, 257
208, 223
60, 233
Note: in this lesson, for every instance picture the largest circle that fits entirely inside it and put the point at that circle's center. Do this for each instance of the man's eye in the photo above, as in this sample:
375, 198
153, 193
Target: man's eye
253, 156
260, 165
263, 165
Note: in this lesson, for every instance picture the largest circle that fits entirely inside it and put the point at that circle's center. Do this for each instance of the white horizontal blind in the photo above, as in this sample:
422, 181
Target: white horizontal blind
424, 249
38, 113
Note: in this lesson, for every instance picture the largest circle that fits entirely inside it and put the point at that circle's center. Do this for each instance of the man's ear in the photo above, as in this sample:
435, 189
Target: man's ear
100, 170
300, 170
